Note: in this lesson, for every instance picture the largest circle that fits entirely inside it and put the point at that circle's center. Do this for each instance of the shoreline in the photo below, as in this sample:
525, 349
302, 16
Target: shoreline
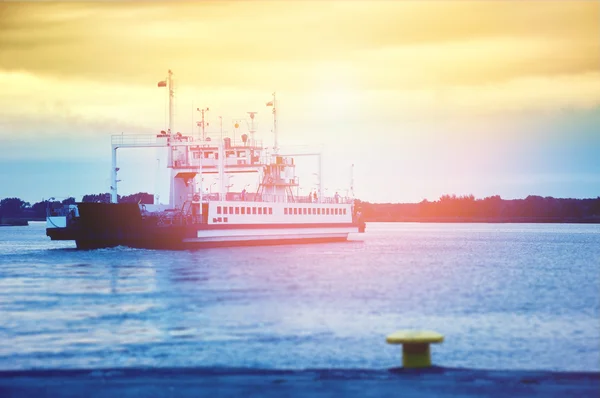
492, 220
446, 220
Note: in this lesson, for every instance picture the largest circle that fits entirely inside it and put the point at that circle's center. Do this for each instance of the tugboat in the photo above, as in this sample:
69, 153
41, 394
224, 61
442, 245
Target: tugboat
270, 215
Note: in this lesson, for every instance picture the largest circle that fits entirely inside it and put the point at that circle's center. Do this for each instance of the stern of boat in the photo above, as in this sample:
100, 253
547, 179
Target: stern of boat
61, 223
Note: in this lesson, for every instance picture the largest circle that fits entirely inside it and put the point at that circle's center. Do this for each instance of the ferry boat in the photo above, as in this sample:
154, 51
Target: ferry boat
271, 214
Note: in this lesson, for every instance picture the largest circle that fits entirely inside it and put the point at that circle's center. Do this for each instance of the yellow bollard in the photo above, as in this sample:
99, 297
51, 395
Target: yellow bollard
415, 346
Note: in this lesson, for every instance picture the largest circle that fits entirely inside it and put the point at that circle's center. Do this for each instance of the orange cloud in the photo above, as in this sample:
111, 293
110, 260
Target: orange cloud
343, 65
260, 43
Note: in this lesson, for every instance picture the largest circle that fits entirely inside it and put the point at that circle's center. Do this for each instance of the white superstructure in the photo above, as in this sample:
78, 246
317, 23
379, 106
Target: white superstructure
270, 212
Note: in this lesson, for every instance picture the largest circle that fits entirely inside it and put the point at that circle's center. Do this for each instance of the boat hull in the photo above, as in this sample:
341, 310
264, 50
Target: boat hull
176, 238
108, 225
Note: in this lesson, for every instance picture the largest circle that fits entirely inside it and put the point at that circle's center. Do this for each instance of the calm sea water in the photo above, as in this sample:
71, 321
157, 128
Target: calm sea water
506, 296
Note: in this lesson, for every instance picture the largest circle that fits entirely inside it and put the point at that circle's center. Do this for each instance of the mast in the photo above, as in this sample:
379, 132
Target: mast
222, 183
171, 94
202, 124
201, 181
168, 84
203, 132
221, 126
352, 181
251, 127
221, 165
275, 146
113, 174
171, 132
321, 178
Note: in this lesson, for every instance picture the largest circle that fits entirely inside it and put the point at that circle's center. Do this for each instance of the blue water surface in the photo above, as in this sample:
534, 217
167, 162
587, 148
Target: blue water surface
506, 296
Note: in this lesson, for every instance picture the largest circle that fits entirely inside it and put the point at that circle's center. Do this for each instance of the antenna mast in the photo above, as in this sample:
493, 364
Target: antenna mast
251, 127
275, 146
352, 180
202, 124
171, 94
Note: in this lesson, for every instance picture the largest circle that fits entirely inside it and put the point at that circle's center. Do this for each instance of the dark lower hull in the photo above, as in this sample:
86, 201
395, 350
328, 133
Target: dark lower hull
101, 244
174, 239
108, 225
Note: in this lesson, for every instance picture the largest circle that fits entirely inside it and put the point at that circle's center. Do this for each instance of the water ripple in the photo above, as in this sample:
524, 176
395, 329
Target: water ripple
505, 296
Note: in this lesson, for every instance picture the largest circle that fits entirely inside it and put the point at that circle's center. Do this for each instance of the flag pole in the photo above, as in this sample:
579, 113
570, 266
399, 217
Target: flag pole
170, 83
171, 132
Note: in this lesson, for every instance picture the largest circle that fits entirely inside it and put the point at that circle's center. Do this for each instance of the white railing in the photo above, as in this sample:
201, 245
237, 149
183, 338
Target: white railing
269, 198
133, 139
150, 139
238, 142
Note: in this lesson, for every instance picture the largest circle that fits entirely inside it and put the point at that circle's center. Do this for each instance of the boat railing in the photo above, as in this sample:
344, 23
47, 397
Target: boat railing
56, 212
230, 143
149, 139
180, 219
270, 198
63, 210
341, 199
133, 139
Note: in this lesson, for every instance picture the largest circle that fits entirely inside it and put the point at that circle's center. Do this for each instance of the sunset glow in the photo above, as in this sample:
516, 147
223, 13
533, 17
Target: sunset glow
424, 98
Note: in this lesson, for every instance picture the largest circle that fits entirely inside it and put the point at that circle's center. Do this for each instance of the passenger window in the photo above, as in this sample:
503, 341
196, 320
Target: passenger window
218, 209
285, 210
260, 210
295, 210
224, 210
237, 210
264, 210
243, 210
270, 210
254, 210
230, 209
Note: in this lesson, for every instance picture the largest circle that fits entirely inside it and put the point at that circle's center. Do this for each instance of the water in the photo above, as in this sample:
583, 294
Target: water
506, 296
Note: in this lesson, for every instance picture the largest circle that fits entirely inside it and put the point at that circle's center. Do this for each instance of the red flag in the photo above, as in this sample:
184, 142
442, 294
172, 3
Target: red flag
162, 83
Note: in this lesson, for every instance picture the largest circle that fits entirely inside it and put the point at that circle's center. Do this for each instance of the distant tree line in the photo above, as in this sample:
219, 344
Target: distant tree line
452, 208
449, 208
17, 208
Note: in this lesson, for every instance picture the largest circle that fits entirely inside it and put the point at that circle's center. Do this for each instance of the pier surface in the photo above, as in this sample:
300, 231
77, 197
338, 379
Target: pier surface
212, 382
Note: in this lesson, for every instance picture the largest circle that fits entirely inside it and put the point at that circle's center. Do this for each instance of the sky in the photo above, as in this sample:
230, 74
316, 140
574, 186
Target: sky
424, 98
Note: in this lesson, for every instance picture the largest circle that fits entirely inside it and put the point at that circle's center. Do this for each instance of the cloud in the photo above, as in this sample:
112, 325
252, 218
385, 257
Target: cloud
257, 44
396, 69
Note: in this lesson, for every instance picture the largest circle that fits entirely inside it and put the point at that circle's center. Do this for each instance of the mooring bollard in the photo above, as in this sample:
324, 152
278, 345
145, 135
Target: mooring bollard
415, 346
